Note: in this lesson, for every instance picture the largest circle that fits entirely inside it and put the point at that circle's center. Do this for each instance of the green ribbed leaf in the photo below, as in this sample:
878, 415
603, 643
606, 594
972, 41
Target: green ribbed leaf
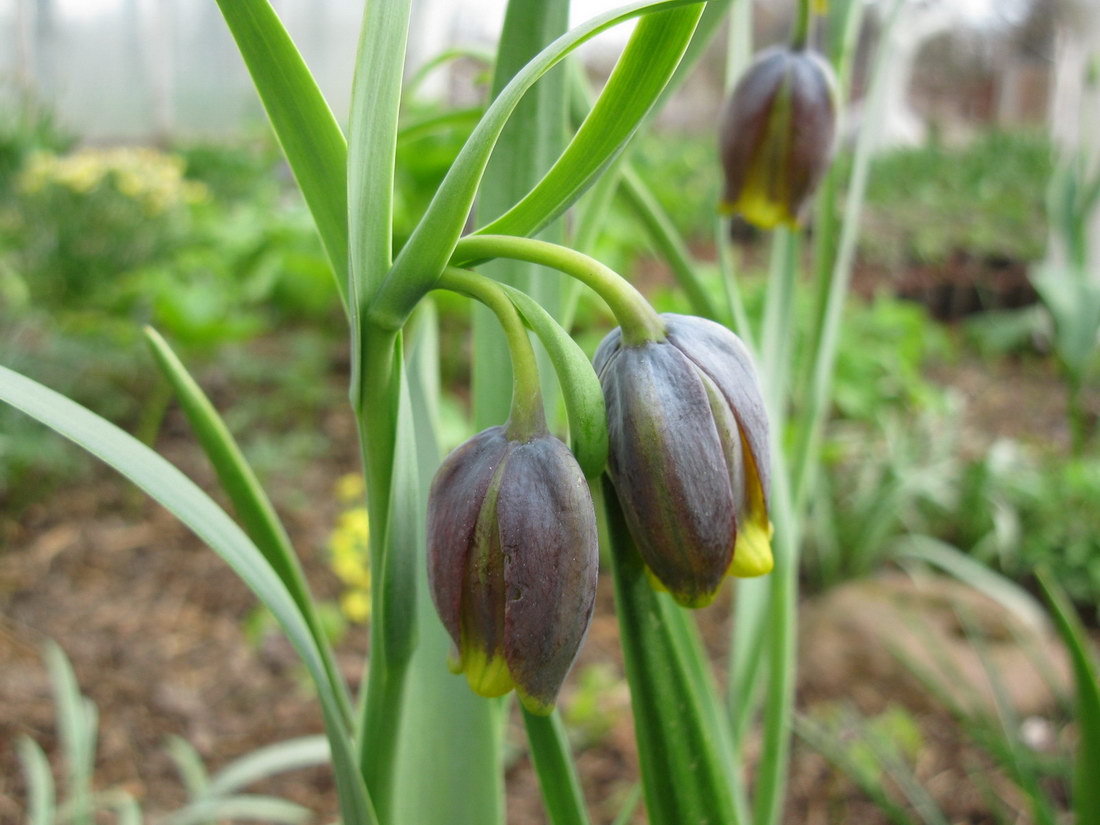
250, 502
646, 65
309, 134
181, 497
429, 248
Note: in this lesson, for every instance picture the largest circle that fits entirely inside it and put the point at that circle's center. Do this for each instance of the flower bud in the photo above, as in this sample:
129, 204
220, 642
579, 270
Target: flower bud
689, 455
777, 136
512, 562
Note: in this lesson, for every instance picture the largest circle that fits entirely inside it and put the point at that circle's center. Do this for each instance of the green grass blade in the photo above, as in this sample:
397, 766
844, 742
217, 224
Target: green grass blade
581, 388
250, 502
550, 752
639, 77
683, 771
394, 625
304, 124
626, 814
963, 567
127, 810
189, 766
686, 632
837, 753
429, 248
41, 795
183, 498
246, 806
76, 721
291, 755
1086, 790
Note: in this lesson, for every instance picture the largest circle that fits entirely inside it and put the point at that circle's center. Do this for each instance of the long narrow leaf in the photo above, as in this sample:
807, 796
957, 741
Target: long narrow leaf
180, 496
261, 808
432, 242
41, 795
646, 65
189, 766
375, 107
304, 124
76, 720
251, 503
291, 755
1086, 790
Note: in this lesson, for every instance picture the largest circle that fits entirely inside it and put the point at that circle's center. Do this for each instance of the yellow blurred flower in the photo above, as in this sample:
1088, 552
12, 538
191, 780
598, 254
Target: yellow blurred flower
349, 545
350, 488
153, 179
355, 605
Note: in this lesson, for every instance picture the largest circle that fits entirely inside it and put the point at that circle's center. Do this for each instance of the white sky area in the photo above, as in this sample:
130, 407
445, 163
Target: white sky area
491, 10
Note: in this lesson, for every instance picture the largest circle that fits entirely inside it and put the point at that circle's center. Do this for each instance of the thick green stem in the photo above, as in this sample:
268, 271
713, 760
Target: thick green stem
561, 789
384, 679
527, 418
782, 624
686, 777
639, 321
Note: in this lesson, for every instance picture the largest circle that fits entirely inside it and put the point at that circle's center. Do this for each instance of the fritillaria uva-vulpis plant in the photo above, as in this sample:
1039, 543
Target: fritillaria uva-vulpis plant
671, 435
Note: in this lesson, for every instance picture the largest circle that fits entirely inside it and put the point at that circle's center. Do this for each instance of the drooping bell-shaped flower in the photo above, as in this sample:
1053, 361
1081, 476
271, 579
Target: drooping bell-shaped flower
688, 455
777, 136
512, 562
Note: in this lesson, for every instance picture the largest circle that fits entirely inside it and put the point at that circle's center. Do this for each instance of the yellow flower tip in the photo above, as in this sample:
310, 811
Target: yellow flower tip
487, 675
533, 705
764, 212
694, 601
752, 554
655, 582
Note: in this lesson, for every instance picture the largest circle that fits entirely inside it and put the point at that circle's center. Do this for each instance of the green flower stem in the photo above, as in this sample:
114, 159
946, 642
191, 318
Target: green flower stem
383, 684
781, 622
779, 322
800, 34
735, 301
826, 335
685, 775
527, 416
639, 321
561, 789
